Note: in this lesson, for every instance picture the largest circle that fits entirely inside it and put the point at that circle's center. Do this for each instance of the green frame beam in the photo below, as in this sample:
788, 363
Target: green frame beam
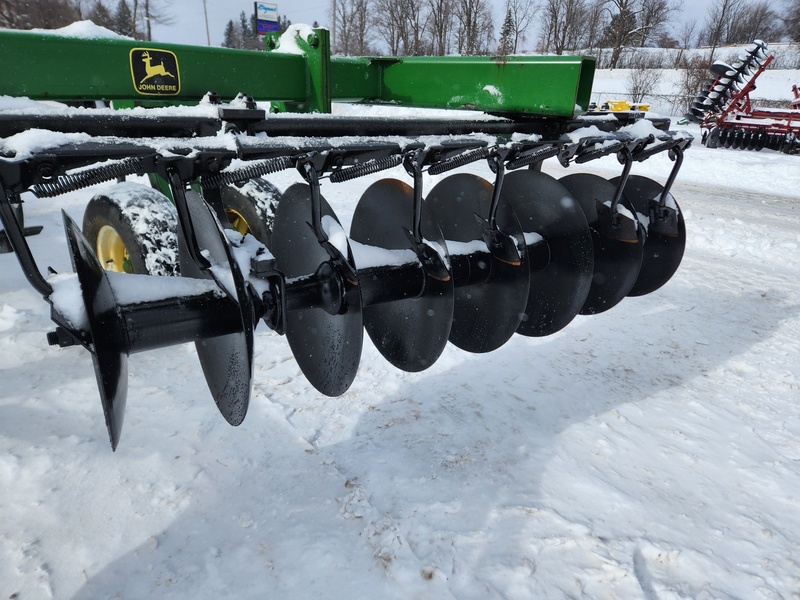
530, 85
52, 67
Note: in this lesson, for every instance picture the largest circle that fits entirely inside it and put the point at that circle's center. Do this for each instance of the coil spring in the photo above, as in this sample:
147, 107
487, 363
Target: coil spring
535, 157
251, 171
459, 161
366, 168
89, 177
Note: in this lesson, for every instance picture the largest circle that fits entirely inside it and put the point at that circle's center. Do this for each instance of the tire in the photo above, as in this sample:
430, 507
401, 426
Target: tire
251, 208
133, 229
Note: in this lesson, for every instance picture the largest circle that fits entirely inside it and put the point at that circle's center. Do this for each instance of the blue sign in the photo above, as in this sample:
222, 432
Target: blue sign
266, 26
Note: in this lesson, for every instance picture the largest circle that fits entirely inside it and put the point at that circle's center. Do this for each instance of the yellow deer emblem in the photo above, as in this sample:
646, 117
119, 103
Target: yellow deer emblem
153, 70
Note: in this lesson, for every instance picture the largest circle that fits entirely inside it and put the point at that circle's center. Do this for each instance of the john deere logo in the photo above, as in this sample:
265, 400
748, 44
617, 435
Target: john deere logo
155, 72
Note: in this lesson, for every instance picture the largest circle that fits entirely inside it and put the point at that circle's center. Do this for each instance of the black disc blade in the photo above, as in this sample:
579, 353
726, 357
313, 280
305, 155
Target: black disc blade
547, 210
227, 360
488, 313
109, 338
411, 332
616, 263
662, 253
327, 347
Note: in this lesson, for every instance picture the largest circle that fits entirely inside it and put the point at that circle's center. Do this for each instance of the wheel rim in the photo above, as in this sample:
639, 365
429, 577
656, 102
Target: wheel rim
111, 251
238, 222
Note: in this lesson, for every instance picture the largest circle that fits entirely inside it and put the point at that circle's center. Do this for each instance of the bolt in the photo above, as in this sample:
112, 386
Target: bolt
212, 164
46, 171
313, 40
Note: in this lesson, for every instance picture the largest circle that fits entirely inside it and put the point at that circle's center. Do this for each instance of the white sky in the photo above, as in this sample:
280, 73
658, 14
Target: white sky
190, 28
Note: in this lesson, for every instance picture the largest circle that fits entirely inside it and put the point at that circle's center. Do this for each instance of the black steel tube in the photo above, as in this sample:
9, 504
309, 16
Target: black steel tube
397, 282
302, 294
104, 123
390, 283
470, 269
387, 283
162, 323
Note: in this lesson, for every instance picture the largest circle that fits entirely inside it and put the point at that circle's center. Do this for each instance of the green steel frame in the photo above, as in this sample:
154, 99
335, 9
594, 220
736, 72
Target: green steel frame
52, 67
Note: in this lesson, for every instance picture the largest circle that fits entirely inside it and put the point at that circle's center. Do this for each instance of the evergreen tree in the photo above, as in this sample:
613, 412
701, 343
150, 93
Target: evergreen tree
507, 34
100, 15
123, 19
244, 24
230, 39
284, 24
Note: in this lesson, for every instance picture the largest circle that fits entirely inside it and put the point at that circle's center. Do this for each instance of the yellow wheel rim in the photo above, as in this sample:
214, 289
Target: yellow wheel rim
238, 221
111, 251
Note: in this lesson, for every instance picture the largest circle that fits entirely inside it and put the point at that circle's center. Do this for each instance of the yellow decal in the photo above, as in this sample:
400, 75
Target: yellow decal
155, 72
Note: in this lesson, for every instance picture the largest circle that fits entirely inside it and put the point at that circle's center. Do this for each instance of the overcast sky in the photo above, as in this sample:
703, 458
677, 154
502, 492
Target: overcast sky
190, 25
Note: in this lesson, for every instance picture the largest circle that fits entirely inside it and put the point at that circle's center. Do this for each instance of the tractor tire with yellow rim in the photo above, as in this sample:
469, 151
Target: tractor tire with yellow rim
250, 208
133, 229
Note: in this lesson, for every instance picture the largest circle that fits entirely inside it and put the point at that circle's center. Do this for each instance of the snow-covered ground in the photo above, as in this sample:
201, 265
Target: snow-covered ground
652, 451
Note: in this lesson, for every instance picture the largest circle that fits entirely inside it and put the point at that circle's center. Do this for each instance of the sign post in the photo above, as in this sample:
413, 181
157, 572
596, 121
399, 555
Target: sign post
266, 17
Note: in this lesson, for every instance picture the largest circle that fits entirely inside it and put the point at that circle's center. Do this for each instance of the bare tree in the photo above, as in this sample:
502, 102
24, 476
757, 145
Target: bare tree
523, 12
718, 22
643, 77
623, 28
653, 17
351, 23
441, 21
631, 23
686, 34
792, 20
755, 20
595, 23
144, 14
387, 24
9, 18
476, 26
403, 25
30, 14
562, 25
693, 73
686, 38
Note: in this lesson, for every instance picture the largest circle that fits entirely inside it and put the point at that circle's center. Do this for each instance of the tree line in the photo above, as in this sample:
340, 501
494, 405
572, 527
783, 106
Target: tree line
133, 19
441, 27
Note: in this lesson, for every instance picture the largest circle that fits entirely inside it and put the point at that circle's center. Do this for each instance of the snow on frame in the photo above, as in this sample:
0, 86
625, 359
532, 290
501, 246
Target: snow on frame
84, 30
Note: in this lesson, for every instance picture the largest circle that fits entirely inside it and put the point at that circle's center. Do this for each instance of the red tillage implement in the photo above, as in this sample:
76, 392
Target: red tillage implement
728, 117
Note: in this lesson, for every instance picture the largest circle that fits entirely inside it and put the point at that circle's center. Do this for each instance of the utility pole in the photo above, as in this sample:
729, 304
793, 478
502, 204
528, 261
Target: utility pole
333, 28
205, 12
